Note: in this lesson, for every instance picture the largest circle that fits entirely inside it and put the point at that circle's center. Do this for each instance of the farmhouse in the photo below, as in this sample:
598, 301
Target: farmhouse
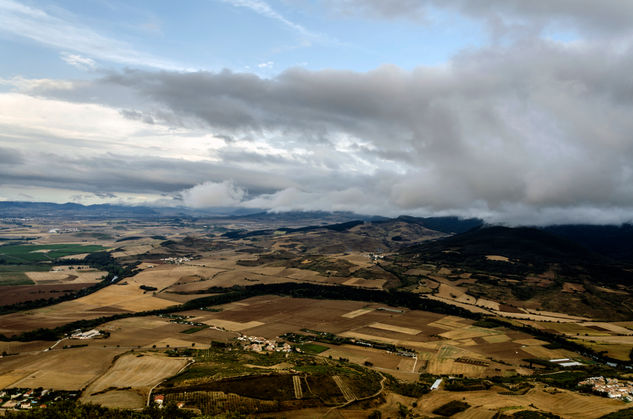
565, 362
11, 404
436, 384
86, 335
159, 399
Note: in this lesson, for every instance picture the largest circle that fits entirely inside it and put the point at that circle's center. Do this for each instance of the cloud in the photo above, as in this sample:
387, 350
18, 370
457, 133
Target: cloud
529, 131
78, 61
264, 9
213, 194
49, 29
394, 9
267, 64
9, 156
606, 16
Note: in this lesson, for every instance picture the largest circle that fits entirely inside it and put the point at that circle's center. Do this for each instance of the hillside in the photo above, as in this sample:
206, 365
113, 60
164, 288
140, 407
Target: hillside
525, 267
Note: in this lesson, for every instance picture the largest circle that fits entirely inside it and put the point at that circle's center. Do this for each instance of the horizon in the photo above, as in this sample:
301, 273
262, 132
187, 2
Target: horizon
228, 212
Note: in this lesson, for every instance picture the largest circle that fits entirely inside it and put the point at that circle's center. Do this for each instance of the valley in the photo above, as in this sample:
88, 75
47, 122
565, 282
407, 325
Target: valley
273, 317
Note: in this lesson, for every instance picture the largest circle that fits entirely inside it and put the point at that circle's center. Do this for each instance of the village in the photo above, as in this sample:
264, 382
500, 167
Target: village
610, 387
259, 344
176, 260
27, 398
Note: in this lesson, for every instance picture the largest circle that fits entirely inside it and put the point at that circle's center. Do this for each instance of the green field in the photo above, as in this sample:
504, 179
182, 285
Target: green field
28, 254
194, 329
23, 268
14, 278
14, 274
313, 348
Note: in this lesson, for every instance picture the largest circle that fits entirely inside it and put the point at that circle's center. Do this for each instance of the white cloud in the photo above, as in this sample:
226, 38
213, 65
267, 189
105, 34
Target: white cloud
45, 28
262, 8
78, 61
267, 64
213, 194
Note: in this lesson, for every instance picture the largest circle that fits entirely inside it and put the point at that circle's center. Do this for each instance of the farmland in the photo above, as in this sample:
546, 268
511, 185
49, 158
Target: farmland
29, 254
133, 374
365, 333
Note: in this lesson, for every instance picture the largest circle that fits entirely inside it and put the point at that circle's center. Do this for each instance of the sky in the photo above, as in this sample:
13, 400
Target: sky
519, 112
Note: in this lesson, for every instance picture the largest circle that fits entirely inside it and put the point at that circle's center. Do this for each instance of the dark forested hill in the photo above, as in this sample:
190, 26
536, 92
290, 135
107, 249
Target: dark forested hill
530, 250
448, 225
615, 242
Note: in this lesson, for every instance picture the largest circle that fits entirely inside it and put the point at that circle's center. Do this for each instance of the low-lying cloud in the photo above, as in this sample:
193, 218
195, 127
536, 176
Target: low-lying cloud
213, 194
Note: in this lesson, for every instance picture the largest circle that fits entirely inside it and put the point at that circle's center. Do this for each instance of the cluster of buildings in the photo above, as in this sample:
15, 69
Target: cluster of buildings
24, 399
176, 260
179, 319
63, 230
259, 344
90, 334
611, 387
159, 399
565, 362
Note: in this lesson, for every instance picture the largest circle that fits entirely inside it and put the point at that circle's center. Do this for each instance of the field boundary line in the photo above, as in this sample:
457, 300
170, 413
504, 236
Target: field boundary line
149, 393
376, 394
296, 382
343, 388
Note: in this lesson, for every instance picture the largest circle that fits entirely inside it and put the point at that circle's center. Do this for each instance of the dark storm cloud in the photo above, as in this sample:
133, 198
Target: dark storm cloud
535, 127
109, 173
10, 157
603, 15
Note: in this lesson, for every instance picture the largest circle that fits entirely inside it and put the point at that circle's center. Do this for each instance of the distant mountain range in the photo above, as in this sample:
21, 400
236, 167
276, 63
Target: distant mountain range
613, 242
19, 209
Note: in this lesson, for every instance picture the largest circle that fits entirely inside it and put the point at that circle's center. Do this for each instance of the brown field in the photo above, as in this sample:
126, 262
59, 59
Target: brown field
359, 355
618, 347
493, 305
118, 298
455, 293
530, 342
618, 340
21, 293
469, 333
467, 306
21, 347
617, 328
398, 329
449, 323
180, 298
67, 274
541, 316
60, 369
485, 404
233, 326
356, 313
137, 249
496, 338
442, 338
572, 287
144, 332
118, 398
365, 283
497, 258
573, 328
558, 316
544, 353
74, 368
359, 259
139, 371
